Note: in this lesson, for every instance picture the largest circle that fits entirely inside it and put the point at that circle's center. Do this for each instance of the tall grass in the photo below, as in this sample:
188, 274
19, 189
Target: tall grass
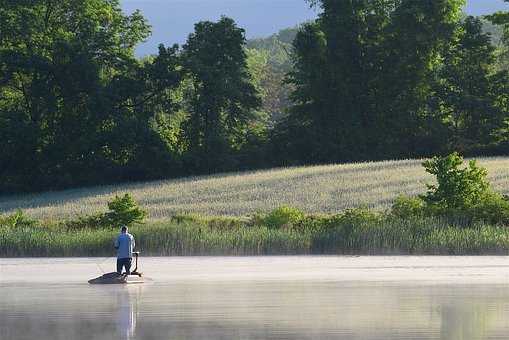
319, 189
428, 236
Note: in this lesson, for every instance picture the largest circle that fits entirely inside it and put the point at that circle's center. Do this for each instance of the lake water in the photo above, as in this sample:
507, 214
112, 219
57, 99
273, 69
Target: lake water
259, 298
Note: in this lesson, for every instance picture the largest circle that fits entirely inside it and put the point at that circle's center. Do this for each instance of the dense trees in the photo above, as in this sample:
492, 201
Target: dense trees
57, 63
77, 108
470, 90
362, 76
368, 79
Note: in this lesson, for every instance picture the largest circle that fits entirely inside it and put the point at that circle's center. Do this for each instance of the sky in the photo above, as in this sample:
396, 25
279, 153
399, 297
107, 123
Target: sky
173, 20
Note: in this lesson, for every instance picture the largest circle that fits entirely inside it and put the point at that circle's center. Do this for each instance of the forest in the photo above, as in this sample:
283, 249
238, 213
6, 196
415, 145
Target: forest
367, 80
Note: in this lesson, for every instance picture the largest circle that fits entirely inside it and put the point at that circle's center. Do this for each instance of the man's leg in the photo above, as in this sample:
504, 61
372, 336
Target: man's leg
128, 263
119, 266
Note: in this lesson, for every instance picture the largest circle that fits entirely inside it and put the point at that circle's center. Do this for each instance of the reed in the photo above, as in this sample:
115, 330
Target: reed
419, 236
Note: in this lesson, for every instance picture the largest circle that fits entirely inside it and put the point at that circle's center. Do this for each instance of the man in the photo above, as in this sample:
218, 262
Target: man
124, 245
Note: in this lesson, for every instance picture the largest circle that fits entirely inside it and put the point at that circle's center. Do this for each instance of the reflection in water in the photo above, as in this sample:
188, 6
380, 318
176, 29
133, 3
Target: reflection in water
127, 300
250, 310
463, 321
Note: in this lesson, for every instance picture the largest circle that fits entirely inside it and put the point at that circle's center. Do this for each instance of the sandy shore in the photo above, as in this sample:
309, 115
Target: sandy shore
428, 270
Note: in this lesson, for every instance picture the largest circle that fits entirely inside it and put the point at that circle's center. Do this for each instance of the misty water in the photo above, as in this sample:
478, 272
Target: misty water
259, 298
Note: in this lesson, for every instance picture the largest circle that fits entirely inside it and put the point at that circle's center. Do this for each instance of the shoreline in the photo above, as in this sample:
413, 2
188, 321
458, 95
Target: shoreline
265, 269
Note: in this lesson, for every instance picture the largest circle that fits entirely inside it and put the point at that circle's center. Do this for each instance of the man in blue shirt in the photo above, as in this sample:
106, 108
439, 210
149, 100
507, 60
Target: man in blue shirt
125, 246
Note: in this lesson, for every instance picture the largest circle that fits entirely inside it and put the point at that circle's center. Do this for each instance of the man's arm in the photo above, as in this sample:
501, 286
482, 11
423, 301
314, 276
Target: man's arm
116, 245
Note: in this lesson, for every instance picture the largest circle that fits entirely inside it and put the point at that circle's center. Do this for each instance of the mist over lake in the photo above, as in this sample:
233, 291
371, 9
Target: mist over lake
347, 298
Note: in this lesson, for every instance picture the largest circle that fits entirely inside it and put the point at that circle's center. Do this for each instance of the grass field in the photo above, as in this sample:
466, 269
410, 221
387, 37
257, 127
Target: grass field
318, 189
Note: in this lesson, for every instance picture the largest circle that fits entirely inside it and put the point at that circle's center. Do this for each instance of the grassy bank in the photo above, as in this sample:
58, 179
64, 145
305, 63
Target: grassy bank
319, 235
327, 189
461, 214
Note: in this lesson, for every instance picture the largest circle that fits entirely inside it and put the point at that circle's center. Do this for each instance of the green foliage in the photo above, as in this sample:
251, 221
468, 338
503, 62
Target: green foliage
96, 221
269, 60
407, 207
123, 210
443, 90
283, 217
469, 90
17, 220
501, 19
348, 103
461, 195
457, 187
358, 216
224, 100
355, 232
493, 208
269, 82
75, 104
367, 80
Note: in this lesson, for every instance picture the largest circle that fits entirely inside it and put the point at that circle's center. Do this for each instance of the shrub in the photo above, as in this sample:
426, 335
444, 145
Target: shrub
96, 221
122, 211
457, 188
493, 209
462, 195
408, 207
358, 216
17, 220
283, 217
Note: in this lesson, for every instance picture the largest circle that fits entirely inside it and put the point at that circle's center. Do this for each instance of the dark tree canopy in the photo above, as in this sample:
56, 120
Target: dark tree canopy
364, 75
70, 91
224, 98
367, 80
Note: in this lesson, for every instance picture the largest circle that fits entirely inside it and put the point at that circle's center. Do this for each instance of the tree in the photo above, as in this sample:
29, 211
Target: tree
142, 99
76, 106
415, 35
470, 88
362, 76
55, 59
298, 137
269, 60
501, 19
224, 100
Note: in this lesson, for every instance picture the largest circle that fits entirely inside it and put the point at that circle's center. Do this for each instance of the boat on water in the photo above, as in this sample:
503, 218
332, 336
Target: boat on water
116, 278
133, 277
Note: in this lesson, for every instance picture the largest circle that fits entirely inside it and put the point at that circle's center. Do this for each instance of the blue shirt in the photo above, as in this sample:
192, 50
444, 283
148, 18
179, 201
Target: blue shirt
125, 245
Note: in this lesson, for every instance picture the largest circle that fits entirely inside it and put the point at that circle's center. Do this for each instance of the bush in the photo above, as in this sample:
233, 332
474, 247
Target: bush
122, 211
96, 221
462, 195
493, 209
283, 217
457, 188
17, 220
408, 207
358, 216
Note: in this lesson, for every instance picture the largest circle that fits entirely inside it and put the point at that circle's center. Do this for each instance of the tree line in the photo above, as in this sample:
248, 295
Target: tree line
392, 79
367, 80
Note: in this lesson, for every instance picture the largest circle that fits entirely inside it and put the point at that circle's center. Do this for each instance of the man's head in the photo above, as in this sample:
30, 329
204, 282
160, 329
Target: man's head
123, 230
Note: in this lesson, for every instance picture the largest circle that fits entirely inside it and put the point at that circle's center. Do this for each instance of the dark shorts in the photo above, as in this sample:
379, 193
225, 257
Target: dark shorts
121, 263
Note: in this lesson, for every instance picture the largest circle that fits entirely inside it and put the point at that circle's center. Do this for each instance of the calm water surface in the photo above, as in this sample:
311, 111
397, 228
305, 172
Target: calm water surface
259, 298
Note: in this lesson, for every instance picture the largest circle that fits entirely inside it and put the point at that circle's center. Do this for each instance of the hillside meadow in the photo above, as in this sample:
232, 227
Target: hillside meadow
315, 189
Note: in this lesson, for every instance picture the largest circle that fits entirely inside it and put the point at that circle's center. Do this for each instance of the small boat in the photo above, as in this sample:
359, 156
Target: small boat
116, 278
